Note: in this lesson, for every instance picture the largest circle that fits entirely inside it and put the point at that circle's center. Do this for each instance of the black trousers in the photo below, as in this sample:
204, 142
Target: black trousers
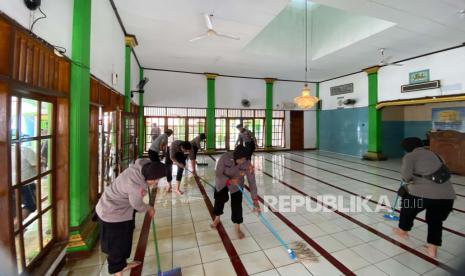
437, 211
154, 156
250, 146
169, 165
222, 197
116, 242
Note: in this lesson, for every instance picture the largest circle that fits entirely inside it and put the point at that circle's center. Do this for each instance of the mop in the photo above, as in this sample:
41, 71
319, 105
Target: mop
299, 250
391, 213
174, 272
203, 163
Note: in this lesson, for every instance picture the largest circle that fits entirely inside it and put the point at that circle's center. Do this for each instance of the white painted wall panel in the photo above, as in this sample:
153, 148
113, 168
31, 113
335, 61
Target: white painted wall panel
448, 67
231, 91
107, 45
360, 93
56, 29
309, 129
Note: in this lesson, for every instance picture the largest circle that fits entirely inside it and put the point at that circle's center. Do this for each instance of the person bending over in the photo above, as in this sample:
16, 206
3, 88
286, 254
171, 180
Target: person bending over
176, 154
159, 145
230, 172
196, 146
418, 165
247, 139
115, 211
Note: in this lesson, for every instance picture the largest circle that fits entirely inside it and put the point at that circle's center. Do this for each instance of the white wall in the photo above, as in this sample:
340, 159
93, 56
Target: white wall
107, 45
231, 91
56, 29
175, 89
309, 129
360, 93
448, 67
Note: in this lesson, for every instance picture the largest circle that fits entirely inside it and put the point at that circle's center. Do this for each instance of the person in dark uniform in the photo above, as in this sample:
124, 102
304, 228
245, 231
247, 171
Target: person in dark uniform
116, 208
176, 154
196, 146
423, 193
247, 140
230, 172
159, 145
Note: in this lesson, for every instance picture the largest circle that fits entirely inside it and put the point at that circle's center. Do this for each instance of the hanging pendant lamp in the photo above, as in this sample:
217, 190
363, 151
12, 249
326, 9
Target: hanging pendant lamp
306, 100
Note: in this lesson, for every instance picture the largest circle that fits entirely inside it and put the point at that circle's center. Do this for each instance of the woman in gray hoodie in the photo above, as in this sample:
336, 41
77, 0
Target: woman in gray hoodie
424, 194
116, 211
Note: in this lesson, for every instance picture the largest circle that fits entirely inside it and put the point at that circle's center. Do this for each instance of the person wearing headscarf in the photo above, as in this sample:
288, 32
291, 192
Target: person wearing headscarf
196, 145
424, 193
115, 211
247, 139
231, 169
159, 145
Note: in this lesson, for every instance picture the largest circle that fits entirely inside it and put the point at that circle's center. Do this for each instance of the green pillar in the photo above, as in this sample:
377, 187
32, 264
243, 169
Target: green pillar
141, 118
318, 109
269, 113
210, 111
82, 231
127, 79
374, 117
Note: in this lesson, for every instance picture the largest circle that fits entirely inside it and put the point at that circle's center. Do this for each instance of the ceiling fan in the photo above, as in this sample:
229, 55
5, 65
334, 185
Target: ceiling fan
385, 61
211, 31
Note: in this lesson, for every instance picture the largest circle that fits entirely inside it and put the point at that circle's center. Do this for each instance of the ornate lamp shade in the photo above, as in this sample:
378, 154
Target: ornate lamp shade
306, 101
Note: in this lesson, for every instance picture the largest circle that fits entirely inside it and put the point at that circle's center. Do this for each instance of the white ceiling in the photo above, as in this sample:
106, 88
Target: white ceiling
163, 29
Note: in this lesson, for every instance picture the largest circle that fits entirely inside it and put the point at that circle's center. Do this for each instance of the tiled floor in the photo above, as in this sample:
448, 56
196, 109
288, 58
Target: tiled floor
359, 241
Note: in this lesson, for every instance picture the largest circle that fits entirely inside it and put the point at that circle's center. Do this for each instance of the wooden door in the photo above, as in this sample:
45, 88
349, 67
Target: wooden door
297, 130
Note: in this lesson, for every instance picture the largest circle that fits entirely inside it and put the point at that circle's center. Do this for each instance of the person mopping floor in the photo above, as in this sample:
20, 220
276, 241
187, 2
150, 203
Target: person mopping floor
196, 146
176, 154
115, 211
230, 172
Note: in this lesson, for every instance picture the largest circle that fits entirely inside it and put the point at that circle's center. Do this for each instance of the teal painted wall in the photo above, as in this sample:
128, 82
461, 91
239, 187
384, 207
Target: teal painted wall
344, 130
394, 131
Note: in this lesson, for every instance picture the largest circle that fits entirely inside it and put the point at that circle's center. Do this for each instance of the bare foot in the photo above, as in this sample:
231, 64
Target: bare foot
179, 192
400, 233
431, 250
240, 234
168, 190
215, 223
132, 265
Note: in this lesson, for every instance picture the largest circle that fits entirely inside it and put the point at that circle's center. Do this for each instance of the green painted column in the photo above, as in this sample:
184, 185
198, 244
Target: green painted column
82, 236
127, 79
318, 109
141, 118
269, 113
211, 111
374, 117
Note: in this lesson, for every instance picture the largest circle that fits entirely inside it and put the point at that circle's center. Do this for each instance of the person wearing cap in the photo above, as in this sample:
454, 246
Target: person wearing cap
115, 211
230, 171
159, 145
176, 154
196, 146
246, 139
423, 193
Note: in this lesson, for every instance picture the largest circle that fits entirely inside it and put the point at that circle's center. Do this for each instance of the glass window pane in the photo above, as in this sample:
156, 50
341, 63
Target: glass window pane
45, 155
46, 119
28, 160
29, 112
47, 227
19, 263
31, 241
14, 165
28, 201
14, 117
15, 210
46, 191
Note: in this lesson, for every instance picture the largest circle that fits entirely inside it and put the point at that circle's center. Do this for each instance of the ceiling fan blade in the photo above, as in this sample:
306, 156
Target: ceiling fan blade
228, 36
198, 38
387, 59
208, 21
396, 64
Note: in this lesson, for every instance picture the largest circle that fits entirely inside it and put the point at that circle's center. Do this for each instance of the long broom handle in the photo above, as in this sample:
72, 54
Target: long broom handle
155, 240
393, 207
264, 220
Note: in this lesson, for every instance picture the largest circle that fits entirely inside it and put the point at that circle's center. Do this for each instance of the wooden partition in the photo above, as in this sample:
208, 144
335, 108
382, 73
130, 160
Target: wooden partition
30, 71
450, 145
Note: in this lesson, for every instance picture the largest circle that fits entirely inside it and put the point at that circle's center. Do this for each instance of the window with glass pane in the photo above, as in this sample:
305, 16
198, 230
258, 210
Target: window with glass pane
220, 133
109, 147
154, 126
258, 130
278, 133
196, 126
233, 132
178, 125
31, 147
